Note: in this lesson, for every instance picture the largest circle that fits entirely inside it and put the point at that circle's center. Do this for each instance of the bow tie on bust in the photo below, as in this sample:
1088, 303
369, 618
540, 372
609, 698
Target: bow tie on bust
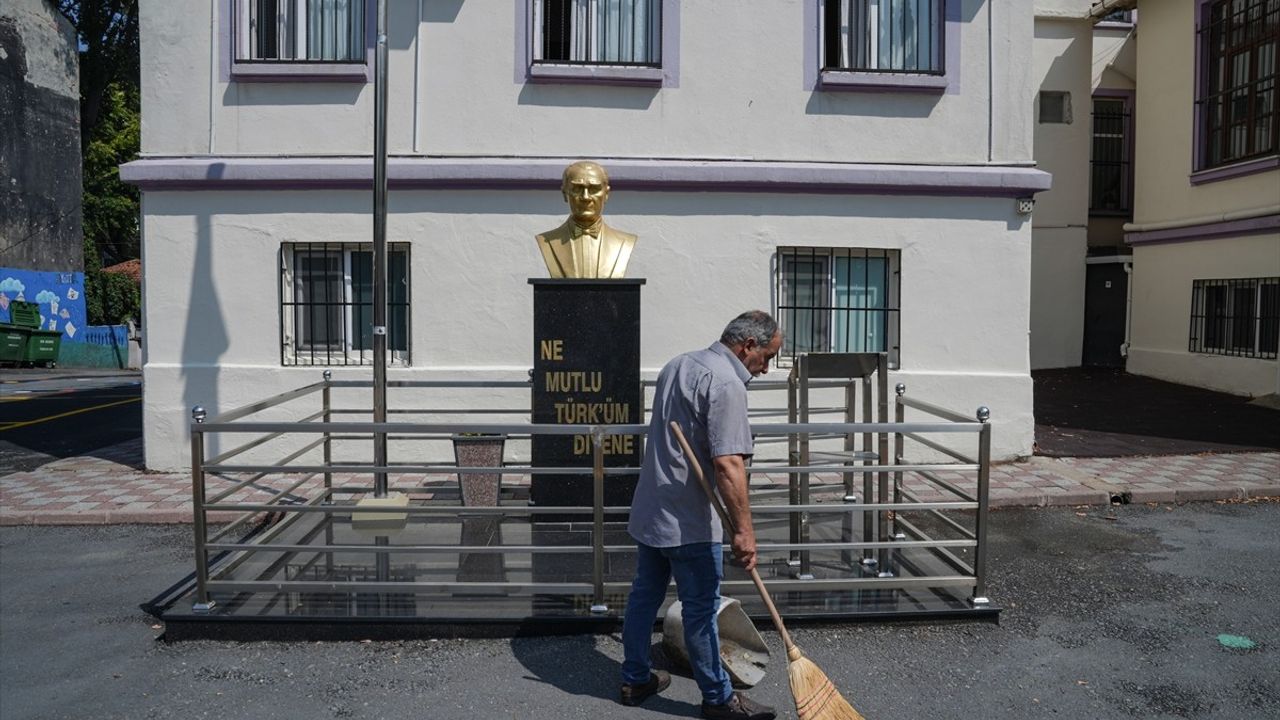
593, 231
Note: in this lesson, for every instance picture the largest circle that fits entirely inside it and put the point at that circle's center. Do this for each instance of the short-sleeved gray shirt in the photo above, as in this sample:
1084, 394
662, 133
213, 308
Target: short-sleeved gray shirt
706, 392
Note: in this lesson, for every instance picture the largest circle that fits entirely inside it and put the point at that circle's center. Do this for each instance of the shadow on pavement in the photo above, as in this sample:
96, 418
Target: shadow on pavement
1103, 412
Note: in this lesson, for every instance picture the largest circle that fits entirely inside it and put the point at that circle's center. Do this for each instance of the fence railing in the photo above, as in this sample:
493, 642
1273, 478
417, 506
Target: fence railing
915, 509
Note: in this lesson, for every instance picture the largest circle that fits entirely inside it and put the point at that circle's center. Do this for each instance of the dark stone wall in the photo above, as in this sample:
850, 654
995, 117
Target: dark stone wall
40, 187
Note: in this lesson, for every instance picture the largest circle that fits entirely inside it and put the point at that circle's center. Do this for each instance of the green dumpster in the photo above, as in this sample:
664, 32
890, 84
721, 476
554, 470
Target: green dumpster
42, 345
13, 343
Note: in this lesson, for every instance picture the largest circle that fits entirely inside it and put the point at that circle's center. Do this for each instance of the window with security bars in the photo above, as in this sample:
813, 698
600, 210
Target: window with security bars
886, 36
1239, 103
326, 313
598, 32
1238, 316
1109, 162
837, 300
300, 31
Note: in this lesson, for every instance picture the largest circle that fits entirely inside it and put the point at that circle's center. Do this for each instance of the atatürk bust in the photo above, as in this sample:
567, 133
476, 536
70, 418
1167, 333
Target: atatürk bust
584, 247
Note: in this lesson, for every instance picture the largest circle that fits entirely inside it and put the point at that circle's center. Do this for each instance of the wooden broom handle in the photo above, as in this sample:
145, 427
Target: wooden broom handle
733, 529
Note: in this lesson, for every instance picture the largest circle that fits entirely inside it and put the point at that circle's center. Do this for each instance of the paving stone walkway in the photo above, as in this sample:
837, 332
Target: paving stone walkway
108, 488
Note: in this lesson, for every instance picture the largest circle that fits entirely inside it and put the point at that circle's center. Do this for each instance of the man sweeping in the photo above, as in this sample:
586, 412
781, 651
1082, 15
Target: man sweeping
676, 531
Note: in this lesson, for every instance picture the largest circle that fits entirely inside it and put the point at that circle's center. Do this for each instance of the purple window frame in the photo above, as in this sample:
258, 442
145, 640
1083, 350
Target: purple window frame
291, 71
1130, 107
948, 82
666, 75
1200, 173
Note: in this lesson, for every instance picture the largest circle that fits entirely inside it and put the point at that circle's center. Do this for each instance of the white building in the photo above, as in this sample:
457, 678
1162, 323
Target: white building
1198, 79
866, 155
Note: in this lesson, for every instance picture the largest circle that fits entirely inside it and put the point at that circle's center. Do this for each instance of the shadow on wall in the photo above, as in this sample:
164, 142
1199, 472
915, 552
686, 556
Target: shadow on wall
205, 340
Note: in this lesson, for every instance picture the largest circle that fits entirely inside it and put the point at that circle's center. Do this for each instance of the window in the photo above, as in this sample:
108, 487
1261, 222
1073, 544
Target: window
285, 39
1055, 107
883, 36
1118, 16
598, 32
1109, 161
837, 300
1238, 102
1239, 317
327, 304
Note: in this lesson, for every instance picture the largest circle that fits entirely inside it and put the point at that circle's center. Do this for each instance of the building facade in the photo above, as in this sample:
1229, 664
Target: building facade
1205, 233
858, 170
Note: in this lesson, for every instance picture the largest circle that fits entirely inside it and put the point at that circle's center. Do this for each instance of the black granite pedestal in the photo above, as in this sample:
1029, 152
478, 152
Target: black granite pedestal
586, 371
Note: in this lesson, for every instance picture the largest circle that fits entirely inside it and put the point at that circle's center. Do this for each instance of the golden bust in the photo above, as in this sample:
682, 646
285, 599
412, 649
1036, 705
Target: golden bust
584, 247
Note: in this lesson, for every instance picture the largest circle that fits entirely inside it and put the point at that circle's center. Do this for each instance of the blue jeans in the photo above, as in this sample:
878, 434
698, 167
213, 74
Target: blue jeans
698, 569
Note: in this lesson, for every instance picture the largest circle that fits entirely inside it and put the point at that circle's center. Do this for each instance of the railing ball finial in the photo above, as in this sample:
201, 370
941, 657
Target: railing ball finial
198, 414
901, 389
984, 414
328, 375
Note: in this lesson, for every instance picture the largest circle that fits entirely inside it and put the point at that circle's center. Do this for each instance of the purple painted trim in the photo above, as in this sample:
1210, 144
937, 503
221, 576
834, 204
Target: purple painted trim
1225, 172
232, 71
668, 75
595, 74
226, 173
850, 80
1207, 231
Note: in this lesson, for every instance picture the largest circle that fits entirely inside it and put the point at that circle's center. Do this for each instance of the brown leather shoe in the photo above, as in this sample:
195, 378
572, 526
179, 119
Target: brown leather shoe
636, 694
739, 707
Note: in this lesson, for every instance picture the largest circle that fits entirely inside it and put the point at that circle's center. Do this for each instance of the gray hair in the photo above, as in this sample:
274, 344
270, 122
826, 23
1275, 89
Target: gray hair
756, 324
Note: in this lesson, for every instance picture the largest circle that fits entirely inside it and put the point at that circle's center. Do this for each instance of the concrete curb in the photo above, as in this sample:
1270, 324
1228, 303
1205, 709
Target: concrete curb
11, 518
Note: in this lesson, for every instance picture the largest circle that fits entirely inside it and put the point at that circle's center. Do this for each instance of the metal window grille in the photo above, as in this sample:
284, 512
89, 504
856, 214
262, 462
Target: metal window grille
598, 32
838, 300
1109, 162
1240, 104
326, 304
300, 30
1120, 16
1237, 316
888, 36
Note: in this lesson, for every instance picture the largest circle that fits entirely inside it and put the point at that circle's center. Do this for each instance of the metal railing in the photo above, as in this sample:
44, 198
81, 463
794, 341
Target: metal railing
304, 485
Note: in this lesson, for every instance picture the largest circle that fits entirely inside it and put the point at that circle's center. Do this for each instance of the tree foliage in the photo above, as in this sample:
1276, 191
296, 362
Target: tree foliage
110, 131
108, 34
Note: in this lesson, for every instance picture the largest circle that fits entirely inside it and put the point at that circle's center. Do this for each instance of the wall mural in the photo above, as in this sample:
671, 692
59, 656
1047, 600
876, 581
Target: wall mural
60, 296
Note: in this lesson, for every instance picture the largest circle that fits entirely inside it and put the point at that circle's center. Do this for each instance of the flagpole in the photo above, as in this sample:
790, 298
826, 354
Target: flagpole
380, 251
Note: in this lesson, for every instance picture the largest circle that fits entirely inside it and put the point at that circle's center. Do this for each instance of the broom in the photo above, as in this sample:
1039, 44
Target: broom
815, 697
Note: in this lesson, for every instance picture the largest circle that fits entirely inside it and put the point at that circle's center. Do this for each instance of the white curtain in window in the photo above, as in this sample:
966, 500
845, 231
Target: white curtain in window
890, 34
335, 29
626, 30
860, 294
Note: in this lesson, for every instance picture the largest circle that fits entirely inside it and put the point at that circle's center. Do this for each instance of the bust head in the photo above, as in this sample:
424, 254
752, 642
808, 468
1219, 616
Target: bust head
585, 186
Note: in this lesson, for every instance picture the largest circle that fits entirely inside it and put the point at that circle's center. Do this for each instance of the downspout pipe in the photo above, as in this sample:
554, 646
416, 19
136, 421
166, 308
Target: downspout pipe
1128, 309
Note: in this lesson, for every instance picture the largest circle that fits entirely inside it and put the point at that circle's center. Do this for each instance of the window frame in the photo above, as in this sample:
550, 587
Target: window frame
233, 29
945, 80
1126, 97
1220, 333
663, 73
890, 310
1202, 170
296, 351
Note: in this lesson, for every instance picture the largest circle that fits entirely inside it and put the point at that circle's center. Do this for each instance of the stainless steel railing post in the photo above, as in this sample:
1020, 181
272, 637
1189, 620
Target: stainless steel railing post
202, 604
328, 438
598, 605
980, 523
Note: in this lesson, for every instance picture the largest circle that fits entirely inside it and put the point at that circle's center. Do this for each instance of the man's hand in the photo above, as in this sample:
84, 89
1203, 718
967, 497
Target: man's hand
744, 549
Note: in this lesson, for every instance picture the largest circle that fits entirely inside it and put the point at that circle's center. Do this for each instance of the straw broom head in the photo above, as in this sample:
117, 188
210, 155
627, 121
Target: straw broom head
816, 698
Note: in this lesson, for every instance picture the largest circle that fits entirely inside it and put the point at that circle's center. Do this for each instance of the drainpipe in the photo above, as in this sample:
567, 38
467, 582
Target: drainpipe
1128, 309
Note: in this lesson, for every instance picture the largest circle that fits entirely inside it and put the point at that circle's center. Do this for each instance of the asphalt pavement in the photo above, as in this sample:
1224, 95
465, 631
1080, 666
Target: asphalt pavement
1110, 612
50, 415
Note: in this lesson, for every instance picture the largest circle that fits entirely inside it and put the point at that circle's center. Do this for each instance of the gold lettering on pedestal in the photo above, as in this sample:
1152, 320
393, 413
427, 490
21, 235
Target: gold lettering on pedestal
573, 381
551, 349
610, 444
592, 413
